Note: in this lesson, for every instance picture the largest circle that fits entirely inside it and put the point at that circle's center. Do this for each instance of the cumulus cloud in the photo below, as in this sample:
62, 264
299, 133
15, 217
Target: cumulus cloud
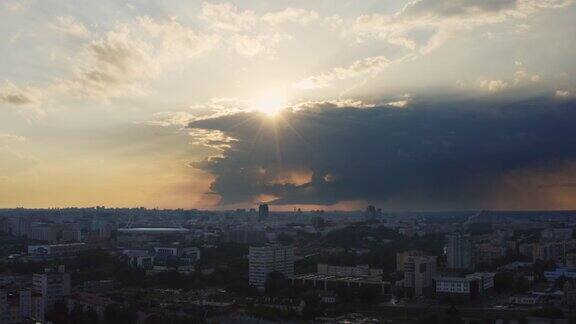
213, 139
435, 155
369, 66
178, 39
121, 61
249, 33
248, 46
442, 18
294, 15
327, 104
114, 65
69, 26
7, 138
226, 16
398, 103
494, 86
16, 96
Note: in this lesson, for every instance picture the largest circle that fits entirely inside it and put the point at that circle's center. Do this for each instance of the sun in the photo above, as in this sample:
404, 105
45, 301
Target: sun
271, 103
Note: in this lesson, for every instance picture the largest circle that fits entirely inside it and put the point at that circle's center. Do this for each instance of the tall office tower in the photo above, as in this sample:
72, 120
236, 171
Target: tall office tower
53, 284
269, 258
370, 212
263, 211
459, 251
419, 272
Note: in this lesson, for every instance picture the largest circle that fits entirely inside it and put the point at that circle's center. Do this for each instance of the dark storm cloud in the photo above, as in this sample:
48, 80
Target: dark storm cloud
449, 155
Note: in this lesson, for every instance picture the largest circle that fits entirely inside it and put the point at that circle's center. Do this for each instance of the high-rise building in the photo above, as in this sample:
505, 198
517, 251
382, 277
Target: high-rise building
401, 258
370, 212
263, 211
459, 251
269, 258
53, 284
419, 272
17, 306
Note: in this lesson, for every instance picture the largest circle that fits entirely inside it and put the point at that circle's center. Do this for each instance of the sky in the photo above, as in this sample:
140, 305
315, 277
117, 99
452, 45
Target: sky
332, 104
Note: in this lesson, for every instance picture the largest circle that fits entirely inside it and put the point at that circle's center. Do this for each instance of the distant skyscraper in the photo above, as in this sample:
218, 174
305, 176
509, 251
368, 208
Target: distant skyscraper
269, 258
370, 212
263, 211
459, 251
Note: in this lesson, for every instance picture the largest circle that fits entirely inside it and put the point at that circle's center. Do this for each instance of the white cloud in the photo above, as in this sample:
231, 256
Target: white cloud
327, 104
178, 39
398, 103
369, 66
214, 139
114, 65
494, 86
5, 137
247, 46
226, 16
443, 18
290, 15
522, 74
69, 26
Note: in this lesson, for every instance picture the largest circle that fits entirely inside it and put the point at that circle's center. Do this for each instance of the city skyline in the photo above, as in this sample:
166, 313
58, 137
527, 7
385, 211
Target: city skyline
335, 105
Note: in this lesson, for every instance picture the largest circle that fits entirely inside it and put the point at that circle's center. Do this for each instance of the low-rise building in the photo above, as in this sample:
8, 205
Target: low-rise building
330, 278
139, 258
524, 300
560, 272
471, 287
58, 249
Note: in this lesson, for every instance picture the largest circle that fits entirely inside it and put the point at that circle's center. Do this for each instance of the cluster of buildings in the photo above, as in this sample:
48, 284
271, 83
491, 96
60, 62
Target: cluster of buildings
29, 301
173, 240
155, 258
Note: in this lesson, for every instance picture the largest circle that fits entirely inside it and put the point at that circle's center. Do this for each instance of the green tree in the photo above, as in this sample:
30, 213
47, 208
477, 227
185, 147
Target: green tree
59, 313
275, 283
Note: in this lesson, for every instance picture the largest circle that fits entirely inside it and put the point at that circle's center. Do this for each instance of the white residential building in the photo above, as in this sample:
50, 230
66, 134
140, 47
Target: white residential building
267, 259
53, 284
